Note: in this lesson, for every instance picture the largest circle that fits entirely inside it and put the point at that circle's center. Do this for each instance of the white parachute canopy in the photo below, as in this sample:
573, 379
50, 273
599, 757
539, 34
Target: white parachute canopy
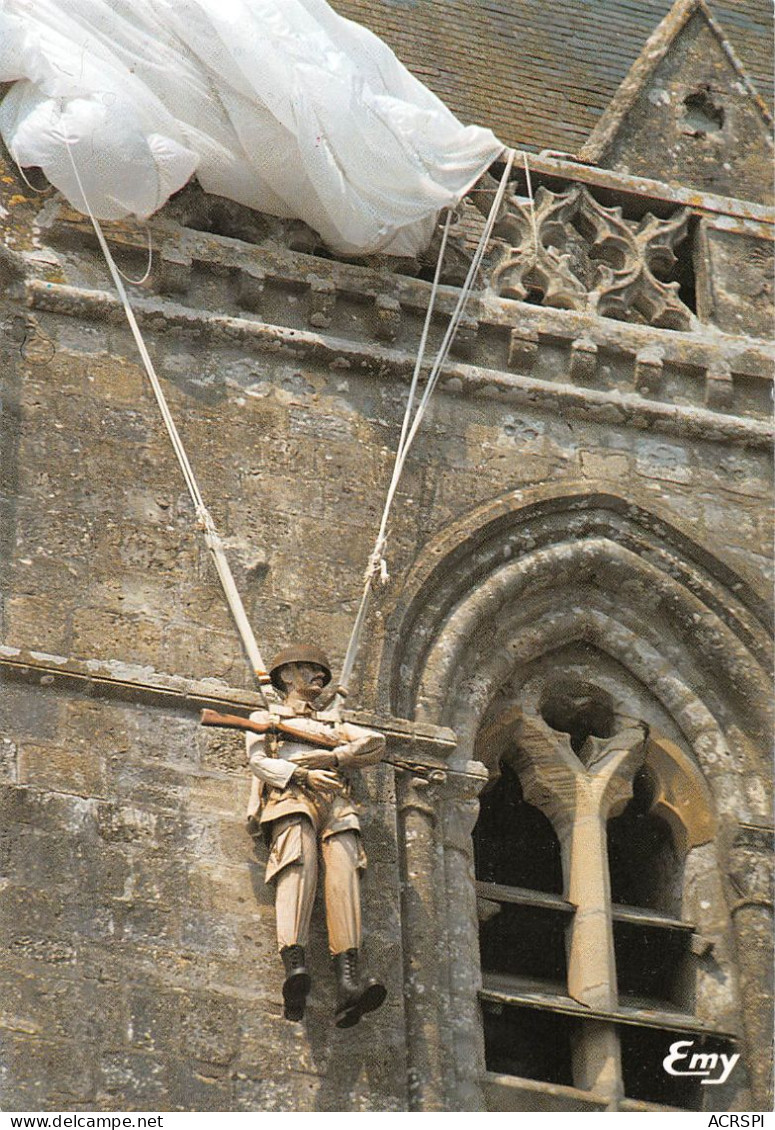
281, 105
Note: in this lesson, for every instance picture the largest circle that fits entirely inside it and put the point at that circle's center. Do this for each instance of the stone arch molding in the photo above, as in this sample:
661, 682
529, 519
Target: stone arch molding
532, 570
541, 585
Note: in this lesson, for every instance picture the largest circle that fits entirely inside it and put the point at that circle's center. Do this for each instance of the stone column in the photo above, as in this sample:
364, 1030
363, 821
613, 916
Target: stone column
463, 1021
750, 875
579, 794
421, 884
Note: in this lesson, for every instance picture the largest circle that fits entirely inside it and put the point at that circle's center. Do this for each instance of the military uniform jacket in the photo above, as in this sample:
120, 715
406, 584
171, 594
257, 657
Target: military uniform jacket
272, 761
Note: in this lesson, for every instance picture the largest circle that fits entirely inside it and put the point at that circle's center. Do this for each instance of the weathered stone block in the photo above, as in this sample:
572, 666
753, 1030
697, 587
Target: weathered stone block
226, 794
8, 761
222, 750
464, 341
191, 1086
735, 281
269, 1092
148, 923
203, 935
210, 1028
648, 372
523, 349
47, 1074
225, 889
583, 361
155, 1016
322, 303
126, 824
60, 1004
180, 834
136, 1080
611, 465
104, 635
61, 770
387, 317
34, 622
44, 812
173, 270
251, 286
719, 388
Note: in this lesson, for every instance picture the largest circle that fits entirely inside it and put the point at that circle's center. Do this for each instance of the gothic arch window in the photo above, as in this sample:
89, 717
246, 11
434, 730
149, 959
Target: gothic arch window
643, 860
514, 842
566, 580
587, 981
521, 936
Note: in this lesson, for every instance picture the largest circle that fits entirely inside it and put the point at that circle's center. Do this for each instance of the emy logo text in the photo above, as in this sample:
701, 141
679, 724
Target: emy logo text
710, 1067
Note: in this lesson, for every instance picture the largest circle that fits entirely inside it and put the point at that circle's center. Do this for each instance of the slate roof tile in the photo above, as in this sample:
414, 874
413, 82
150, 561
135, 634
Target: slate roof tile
540, 72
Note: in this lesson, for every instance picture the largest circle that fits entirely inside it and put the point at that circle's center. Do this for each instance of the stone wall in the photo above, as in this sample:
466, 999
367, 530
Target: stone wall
139, 966
139, 962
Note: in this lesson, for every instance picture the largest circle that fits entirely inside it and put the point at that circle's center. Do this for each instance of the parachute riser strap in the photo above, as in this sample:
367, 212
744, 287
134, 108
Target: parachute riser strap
204, 518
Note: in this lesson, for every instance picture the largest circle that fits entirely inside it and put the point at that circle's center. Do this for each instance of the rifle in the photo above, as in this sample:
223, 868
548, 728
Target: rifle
322, 741
286, 729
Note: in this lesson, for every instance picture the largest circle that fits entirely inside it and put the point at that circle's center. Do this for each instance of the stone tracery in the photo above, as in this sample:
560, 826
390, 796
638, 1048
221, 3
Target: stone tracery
578, 255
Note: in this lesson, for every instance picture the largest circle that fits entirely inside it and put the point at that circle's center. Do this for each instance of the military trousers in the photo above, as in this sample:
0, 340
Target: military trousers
294, 848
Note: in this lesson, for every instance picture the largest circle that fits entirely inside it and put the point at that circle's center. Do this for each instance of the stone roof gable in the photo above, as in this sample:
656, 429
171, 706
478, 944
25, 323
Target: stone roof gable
687, 113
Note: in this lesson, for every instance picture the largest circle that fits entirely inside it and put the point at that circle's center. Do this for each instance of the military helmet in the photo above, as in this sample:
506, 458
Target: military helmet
299, 653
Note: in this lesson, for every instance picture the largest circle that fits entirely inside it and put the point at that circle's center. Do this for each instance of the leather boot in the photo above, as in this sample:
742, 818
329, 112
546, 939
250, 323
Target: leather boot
297, 981
356, 994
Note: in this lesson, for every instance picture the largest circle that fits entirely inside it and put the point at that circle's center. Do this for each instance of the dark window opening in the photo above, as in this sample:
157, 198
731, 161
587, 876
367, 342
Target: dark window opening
530, 1027
525, 941
514, 843
650, 964
515, 847
427, 274
644, 867
702, 114
528, 1043
683, 271
580, 710
535, 294
645, 1078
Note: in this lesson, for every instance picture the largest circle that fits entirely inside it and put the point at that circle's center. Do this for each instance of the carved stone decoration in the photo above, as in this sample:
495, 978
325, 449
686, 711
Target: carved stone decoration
574, 254
540, 259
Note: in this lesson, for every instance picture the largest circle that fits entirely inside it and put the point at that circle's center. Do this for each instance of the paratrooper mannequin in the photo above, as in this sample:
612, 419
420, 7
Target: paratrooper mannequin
301, 801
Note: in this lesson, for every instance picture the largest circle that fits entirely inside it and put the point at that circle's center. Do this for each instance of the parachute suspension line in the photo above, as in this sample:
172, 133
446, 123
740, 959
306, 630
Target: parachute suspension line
204, 518
140, 281
454, 322
23, 175
377, 563
421, 348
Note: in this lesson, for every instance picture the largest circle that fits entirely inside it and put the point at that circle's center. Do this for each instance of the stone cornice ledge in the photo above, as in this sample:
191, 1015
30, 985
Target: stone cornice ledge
651, 190
607, 407
417, 742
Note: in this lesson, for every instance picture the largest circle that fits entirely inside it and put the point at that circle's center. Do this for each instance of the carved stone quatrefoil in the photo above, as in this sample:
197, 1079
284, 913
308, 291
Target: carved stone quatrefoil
572, 253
